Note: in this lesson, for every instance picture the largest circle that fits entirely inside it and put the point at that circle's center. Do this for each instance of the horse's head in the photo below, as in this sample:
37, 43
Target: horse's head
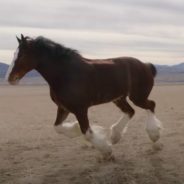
23, 60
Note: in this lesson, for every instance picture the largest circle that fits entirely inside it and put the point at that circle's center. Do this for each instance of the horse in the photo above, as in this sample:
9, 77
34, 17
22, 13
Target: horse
77, 83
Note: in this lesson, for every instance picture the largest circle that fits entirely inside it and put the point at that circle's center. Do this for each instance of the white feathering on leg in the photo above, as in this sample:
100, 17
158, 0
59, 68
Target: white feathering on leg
118, 128
153, 126
98, 138
70, 130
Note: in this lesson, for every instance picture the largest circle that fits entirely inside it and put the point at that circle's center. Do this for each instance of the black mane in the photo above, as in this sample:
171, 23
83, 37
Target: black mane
53, 49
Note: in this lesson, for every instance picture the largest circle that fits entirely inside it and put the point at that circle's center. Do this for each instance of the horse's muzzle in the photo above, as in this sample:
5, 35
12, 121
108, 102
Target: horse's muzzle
13, 80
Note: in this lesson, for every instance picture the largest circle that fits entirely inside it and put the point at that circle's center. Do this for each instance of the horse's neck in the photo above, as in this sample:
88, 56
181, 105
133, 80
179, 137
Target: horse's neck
56, 73
48, 73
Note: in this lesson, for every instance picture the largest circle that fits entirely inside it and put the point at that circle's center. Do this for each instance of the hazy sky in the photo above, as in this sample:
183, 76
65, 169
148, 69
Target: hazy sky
151, 30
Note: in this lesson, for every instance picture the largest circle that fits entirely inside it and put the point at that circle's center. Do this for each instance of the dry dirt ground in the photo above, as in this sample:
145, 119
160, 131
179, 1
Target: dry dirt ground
32, 153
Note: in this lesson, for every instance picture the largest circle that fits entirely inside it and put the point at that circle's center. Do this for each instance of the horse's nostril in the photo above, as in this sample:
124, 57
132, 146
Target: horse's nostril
14, 80
16, 77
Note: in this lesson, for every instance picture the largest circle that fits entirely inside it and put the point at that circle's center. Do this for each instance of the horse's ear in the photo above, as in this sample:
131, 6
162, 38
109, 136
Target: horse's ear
18, 39
23, 39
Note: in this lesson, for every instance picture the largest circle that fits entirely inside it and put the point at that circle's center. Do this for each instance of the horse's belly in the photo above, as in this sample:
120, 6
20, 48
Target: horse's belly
106, 97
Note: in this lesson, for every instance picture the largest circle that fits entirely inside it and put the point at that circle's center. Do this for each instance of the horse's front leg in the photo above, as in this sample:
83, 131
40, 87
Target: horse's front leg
98, 140
61, 116
69, 129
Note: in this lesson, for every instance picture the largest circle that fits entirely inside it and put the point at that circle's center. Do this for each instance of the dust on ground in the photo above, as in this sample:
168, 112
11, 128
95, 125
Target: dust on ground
31, 152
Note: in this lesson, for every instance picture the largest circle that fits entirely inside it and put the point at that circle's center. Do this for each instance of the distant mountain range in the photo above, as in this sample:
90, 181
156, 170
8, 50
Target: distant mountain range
4, 68
170, 74
165, 74
179, 68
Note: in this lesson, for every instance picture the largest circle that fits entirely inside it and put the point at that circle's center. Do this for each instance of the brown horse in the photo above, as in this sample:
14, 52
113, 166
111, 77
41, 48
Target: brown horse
77, 83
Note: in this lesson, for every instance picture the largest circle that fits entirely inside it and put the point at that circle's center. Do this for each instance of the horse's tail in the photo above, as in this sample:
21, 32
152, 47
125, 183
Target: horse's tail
153, 69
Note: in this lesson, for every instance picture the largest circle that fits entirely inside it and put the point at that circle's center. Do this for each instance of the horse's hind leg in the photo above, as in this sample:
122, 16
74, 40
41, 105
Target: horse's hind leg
71, 129
120, 125
153, 125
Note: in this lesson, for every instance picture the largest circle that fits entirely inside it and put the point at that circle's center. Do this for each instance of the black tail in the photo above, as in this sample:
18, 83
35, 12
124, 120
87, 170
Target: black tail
153, 69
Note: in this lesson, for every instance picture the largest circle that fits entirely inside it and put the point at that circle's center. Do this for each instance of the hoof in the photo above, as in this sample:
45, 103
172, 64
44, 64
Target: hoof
153, 127
105, 158
154, 135
109, 157
115, 138
158, 146
115, 135
106, 151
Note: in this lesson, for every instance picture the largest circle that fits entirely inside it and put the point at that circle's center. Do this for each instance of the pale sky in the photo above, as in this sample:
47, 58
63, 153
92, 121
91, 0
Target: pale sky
151, 30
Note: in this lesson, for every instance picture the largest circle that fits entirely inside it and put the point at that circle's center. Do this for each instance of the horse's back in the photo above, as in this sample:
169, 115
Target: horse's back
126, 68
